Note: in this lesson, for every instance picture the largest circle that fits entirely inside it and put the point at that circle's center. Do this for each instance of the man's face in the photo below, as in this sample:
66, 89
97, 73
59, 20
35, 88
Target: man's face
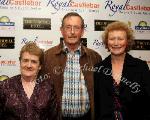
72, 30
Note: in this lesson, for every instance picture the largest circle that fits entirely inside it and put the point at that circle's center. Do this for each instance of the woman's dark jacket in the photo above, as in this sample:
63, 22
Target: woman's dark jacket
134, 90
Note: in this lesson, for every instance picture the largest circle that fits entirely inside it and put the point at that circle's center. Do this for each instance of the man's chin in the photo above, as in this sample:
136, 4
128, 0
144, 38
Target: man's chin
72, 44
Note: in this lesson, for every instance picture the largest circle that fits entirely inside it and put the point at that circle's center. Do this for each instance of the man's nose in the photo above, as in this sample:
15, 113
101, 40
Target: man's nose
72, 30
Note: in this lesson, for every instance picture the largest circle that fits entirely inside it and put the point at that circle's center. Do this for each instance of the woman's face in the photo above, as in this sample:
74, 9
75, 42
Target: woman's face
117, 42
29, 65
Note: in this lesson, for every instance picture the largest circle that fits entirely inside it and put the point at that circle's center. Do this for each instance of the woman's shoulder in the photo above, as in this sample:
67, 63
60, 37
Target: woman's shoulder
135, 64
9, 82
105, 62
135, 61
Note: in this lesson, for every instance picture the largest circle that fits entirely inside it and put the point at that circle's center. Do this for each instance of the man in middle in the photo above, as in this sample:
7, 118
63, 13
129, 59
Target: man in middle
70, 65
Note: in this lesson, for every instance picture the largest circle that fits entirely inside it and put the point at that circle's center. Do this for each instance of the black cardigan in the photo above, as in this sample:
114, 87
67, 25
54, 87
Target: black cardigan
134, 90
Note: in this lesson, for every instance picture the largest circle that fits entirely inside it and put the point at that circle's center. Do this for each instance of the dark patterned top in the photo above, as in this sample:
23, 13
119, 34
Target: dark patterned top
15, 105
117, 102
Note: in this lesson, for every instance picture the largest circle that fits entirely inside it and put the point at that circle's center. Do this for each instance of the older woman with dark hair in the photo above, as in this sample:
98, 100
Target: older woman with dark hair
122, 84
28, 96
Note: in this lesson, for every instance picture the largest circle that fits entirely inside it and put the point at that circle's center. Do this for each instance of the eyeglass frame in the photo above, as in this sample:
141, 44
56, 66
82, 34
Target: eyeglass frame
70, 28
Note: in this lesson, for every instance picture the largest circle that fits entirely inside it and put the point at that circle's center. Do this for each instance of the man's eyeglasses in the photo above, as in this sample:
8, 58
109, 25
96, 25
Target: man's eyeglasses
70, 28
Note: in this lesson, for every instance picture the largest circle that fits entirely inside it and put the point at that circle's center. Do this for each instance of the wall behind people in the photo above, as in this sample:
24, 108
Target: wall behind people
39, 21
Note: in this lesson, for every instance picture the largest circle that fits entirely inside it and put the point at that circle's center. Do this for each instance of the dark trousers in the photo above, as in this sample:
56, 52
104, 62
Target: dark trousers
87, 116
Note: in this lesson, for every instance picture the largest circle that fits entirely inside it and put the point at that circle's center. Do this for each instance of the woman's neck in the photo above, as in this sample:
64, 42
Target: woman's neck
117, 59
28, 79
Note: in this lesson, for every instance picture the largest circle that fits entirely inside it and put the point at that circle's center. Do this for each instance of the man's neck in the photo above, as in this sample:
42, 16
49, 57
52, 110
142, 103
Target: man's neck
72, 47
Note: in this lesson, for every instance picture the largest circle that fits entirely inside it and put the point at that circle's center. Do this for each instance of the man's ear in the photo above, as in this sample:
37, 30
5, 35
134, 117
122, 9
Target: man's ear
40, 67
82, 32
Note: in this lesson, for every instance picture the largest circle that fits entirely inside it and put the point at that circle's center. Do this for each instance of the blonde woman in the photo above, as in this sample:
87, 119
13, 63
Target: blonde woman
122, 85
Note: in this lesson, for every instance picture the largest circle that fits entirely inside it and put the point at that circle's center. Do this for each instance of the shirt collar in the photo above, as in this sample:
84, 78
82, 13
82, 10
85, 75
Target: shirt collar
66, 50
60, 49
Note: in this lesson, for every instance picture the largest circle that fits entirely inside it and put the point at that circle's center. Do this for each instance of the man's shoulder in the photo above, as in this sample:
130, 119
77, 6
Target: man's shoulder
92, 52
52, 50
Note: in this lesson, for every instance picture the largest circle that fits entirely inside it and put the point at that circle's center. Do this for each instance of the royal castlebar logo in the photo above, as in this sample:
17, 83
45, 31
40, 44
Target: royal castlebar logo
40, 42
22, 5
126, 7
73, 5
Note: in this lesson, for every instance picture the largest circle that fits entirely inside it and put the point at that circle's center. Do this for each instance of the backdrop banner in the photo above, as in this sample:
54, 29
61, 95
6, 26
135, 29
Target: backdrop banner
39, 21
